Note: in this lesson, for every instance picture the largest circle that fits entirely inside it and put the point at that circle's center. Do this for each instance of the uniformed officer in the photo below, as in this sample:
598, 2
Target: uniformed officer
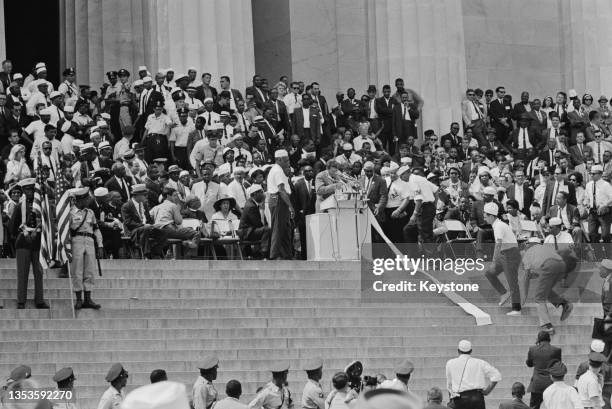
312, 396
204, 392
402, 370
114, 395
65, 381
605, 272
84, 231
275, 395
25, 226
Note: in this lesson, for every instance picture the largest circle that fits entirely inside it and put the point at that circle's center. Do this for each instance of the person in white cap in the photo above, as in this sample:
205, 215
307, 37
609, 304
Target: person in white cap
560, 239
254, 225
506, 259
275, 395
589, 384
209, 115
599, 346
545, 263
469, 379
40, 95
598, 199
281, 208
159, 395
400, 192
348, 156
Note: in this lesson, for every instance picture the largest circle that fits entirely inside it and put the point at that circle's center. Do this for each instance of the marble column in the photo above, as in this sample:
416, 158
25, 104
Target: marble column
2, 35
215, 36
355, 43
586, 54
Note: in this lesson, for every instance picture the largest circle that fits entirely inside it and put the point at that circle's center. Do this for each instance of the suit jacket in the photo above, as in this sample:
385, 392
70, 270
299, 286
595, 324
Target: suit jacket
384, 110
466, 170
199, 94
455, 140
131, 218
533, 138
152, 99
568, 187
283, 122
572, 212
402, 128
497, 111
538, 125
545, 156
304, 201
576, 156
377, 195
518, 110
315, 124
513, 404
113, 185
250, 218
539, 358
323, 188
259, 101
322, 105
9, 122
577, 123
527, 196
466, 111
235, 94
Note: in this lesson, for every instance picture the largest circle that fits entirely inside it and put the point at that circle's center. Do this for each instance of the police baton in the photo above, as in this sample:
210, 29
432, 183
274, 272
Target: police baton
97, 259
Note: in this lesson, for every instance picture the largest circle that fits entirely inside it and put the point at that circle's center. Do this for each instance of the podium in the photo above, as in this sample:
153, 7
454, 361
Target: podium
339, 233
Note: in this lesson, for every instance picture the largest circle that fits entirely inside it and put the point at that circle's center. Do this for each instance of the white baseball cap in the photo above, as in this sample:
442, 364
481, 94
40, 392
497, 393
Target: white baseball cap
491, 208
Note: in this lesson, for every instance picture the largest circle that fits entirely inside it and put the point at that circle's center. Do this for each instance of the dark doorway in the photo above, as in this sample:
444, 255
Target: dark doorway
35, 38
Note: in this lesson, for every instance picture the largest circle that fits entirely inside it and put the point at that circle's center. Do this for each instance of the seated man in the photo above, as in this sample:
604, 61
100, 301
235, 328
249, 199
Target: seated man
107, 208
253, 224
139, 224
569, 215
167, 216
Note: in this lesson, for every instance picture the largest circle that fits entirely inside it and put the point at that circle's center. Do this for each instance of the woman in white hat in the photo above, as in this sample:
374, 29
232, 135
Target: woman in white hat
224, 222
16, 167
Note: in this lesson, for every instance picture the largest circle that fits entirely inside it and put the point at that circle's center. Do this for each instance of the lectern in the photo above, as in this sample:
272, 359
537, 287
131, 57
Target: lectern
340, 232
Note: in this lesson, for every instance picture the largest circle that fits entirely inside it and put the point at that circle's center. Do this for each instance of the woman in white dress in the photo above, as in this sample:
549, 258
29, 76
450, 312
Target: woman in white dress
16, 167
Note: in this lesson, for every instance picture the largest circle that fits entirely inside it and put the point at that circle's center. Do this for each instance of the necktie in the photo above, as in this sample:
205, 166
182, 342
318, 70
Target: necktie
243, 122
295, 96
205, 188
598, 152
594, 197
580, 148
539, 116
524, 138
262, 211
141, 213
556, 133
404, 111
243, 191
556, 246
368, 186
555, 190
209, 118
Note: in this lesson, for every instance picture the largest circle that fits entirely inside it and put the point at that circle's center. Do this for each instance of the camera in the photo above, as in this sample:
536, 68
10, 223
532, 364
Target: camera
370, 380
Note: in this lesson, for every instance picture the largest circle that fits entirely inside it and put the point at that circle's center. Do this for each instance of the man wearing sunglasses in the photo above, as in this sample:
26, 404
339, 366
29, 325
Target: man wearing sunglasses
473, 115
501, 109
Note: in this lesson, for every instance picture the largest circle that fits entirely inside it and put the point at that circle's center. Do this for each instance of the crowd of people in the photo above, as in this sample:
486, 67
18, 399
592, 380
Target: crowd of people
468, 381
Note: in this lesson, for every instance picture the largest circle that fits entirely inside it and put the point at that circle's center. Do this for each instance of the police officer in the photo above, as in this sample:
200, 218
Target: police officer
275, 395
17, 374
65, 381
402, 370
204, 392
312, 396
25, 227
85, 233
114, 395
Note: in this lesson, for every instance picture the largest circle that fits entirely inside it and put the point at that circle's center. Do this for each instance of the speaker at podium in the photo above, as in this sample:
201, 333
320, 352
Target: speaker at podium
340, 232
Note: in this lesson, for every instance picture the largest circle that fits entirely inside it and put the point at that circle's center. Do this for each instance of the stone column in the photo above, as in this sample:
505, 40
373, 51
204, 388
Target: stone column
2, 34
215, 36
586, 54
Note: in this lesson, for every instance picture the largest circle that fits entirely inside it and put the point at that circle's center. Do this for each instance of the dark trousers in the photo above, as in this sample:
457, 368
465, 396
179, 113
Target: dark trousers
261, 234
508, 262
182, 158
301, 225
470, 400
394, 228
535, 400
150, 239
281, 243
425, 222
478, 130
25, 258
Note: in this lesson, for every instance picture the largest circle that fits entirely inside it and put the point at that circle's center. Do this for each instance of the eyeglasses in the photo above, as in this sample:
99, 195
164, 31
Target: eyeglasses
470, 95
295, 87
501, 92
572, 180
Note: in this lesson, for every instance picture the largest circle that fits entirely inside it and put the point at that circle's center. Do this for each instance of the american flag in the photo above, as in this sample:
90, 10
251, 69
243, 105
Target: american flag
62, 213
42, 206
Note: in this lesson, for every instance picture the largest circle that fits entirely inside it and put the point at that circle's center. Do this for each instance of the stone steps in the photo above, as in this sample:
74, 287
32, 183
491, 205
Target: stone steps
171, 314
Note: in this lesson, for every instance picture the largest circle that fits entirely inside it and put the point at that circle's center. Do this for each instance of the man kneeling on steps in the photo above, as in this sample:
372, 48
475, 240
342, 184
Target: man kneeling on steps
85, 233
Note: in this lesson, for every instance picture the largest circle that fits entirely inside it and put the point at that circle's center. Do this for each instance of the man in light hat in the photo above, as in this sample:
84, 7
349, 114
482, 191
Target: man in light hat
348, 156
470, 379
506, 259
597, 345
281, 208
588, 385
68, 87
113, 397
312, 396
253, 222
560, 395
160, 395
545, 263
86, 242
204, 394
65, 382
275, 395
139, 224
25, 225
403, 370
598, 199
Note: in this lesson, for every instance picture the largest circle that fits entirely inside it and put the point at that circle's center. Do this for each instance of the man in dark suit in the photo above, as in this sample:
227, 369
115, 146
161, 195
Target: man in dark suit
318, 99
205, 90
569, 215
147, 100
253, 224
404, 119
538, 119
376, 190
472, 165
521, 192
539, 357
522, 138
521, 107
280, 112
577, 152
139, 225
518, 391
236, 96
577, 121
500, 113
452, 136
119, 183
259, 95
548, 154
304, 199
384, 110
553, 187
13, 120
310, 129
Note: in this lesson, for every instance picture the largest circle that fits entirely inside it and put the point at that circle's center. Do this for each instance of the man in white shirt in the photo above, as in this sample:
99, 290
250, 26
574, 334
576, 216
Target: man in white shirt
598, 199
179, 136
560, 395
506, 259
599, 146
211, 117
281, 209
348, 157
36, 129
588, 385
469, 379
545, 261
237, 188
293, 99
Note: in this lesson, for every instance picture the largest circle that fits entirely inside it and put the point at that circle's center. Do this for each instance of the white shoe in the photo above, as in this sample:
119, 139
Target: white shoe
514, 313
504, 299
